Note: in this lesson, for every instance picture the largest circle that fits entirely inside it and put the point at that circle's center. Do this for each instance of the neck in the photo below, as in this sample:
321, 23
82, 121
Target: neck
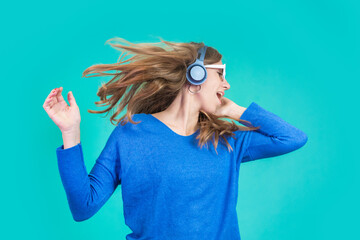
181, 115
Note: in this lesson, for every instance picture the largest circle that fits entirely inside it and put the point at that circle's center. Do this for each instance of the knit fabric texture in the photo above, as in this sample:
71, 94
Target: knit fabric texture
171, 189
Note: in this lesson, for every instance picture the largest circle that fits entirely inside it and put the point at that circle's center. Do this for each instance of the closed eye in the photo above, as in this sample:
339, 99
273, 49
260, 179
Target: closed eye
221, 75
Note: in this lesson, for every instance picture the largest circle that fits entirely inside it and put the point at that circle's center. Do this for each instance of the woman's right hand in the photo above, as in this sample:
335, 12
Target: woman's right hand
66, 117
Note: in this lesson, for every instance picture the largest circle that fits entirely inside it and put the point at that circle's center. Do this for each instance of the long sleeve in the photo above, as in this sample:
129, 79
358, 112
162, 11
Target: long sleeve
275, 136
87, 193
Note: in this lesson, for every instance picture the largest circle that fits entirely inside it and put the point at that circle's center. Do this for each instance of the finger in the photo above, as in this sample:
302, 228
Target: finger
71, 99
48, 104
52, 93
50, 97
59, 97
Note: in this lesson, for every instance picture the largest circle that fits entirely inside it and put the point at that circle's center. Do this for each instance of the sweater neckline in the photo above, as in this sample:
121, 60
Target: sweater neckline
166, 127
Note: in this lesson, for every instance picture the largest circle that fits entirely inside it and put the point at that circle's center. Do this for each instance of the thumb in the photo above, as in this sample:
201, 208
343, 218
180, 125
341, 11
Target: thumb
71, 99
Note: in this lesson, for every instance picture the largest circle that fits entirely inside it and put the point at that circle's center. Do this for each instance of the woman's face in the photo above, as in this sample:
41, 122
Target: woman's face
207, 97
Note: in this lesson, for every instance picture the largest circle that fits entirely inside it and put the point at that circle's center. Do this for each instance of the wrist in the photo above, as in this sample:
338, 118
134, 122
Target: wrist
71, 138
236, 111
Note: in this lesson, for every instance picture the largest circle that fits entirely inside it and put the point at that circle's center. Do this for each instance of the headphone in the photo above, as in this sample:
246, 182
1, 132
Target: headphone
196, 72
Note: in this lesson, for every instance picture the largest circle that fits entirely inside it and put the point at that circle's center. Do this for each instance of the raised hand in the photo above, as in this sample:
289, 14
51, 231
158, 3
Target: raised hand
66, 117
225, 107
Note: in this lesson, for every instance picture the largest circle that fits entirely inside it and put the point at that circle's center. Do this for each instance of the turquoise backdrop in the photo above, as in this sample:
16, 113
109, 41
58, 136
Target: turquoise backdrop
297, 59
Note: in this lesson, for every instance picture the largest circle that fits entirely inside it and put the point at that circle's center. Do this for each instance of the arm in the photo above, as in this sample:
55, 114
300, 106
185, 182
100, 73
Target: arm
275, 136
71, 138
87, 193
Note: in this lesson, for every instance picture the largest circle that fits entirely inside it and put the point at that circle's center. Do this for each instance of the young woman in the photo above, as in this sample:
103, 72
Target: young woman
172, 186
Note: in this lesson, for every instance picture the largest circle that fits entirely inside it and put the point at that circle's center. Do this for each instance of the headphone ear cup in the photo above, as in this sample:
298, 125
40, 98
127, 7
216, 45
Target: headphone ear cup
196, 73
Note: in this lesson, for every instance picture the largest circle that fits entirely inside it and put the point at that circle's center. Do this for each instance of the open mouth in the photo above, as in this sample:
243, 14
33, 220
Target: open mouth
219, 96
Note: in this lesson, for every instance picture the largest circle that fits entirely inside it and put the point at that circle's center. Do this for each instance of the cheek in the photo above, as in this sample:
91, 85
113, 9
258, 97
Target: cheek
210, 91
207, 94
208, 98
208, 87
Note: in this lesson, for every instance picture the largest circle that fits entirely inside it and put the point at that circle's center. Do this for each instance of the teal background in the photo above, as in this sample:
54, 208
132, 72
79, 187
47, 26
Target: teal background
297, 59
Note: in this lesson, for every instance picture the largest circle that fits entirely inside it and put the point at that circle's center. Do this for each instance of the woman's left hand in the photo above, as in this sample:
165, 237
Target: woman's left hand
225, 108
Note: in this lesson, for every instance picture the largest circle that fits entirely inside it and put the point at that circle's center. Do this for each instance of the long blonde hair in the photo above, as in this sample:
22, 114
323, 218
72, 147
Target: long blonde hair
151, 80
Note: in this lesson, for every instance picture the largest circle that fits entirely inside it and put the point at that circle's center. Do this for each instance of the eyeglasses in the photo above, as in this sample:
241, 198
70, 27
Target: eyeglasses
223, 66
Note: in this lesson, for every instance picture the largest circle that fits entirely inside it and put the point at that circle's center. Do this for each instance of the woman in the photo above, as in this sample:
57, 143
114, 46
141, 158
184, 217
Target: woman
172, 187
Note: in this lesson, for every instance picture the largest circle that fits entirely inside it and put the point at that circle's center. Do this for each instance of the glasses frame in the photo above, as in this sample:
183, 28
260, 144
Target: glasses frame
223, 66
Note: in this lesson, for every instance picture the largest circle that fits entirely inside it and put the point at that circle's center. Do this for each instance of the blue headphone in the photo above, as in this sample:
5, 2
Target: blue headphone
196, 72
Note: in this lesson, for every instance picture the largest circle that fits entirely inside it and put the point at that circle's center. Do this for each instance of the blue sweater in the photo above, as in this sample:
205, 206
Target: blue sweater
172, 189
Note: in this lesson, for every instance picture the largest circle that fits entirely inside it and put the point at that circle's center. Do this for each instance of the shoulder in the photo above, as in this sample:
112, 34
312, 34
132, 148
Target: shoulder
141, 123
242, 139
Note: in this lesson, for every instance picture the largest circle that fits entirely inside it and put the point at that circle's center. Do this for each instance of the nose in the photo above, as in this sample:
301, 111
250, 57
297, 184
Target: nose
226, 85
